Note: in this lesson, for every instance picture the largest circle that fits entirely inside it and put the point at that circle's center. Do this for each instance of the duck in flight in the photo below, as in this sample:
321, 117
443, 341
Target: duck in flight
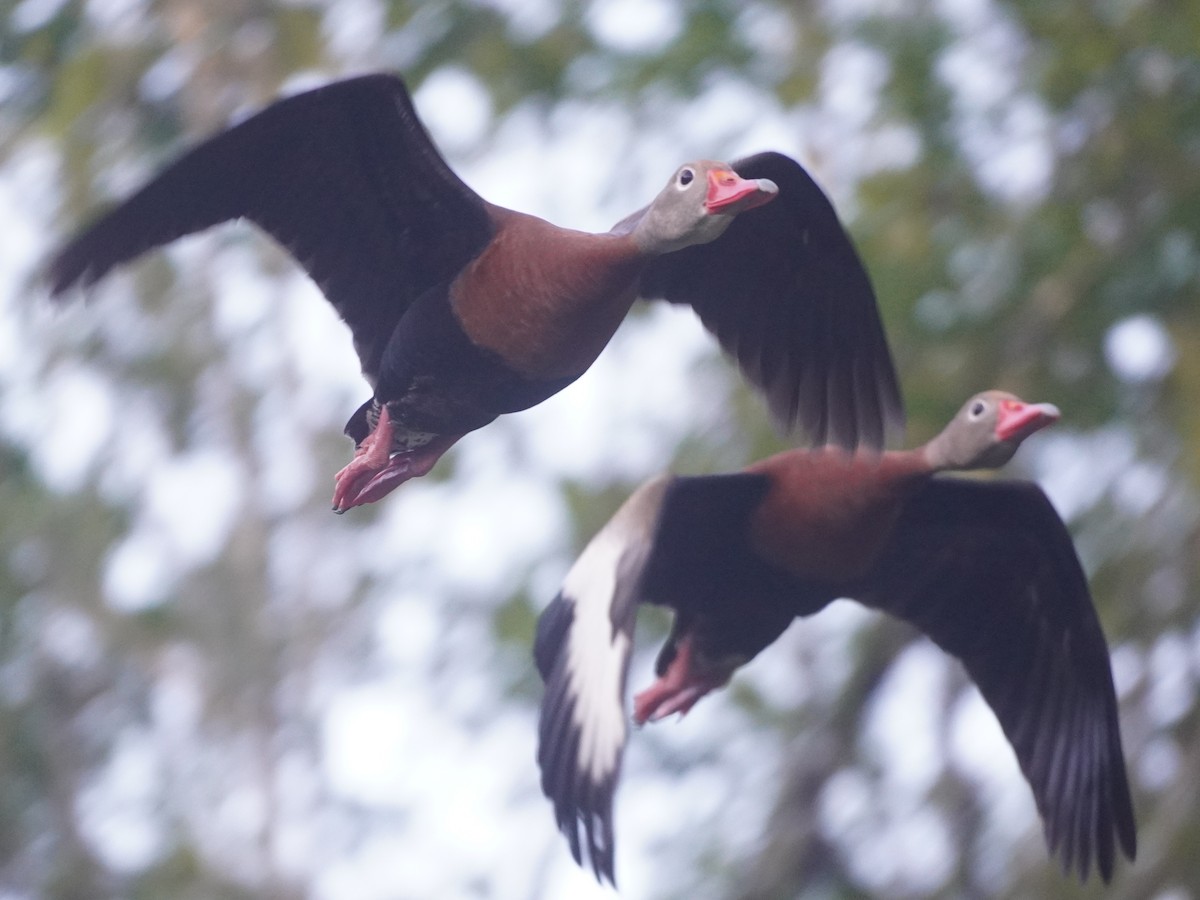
462, 311
986, 569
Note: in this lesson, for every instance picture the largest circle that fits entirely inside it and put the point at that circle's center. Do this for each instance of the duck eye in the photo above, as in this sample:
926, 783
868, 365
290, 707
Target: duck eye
685, 177
977, 409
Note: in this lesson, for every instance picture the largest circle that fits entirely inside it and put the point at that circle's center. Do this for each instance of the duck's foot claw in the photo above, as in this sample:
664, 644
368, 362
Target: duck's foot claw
375, 471
679, 688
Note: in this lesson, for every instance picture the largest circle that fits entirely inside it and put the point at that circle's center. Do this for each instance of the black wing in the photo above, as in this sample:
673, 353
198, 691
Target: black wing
787, 296
345, 177
584, 639
989, 572
670, 535
730, 602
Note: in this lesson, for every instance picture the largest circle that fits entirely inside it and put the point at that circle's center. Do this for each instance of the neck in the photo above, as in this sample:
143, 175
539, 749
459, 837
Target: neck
949, 451
649, 243
656, 234
937, 454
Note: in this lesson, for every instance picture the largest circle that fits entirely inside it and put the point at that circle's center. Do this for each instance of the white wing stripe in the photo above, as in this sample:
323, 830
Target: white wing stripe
584, 643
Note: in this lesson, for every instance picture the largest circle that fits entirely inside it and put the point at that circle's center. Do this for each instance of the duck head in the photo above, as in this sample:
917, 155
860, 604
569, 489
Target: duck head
987, 431
697, 205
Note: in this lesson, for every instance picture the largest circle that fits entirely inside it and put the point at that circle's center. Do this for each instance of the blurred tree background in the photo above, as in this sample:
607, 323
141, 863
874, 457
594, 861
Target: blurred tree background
211, 687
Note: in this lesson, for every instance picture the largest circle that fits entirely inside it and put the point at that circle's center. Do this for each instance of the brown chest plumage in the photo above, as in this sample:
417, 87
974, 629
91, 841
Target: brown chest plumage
546, 299
828, 514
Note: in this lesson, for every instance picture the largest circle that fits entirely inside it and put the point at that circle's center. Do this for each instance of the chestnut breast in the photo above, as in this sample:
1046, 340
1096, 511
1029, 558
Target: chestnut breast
546, 299
828, 514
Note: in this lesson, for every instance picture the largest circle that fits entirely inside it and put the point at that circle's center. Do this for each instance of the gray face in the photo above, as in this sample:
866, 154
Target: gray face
987, 431
679, 216
975, 427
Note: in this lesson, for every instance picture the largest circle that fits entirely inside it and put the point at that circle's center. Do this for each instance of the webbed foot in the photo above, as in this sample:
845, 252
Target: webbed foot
376, 471
685, 681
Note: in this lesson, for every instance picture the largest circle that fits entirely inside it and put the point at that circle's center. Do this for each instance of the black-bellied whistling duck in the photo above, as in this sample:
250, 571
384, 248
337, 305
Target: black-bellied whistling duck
461, 310
985, 569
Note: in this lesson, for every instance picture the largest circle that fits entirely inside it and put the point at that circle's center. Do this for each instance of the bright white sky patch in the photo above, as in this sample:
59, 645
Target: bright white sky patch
367, 733
321, 352
1139, 349
909, 703
844, 802
390, 743
192, 500
1139, 488
527, 19
23, 242
979, 70
169, 74
851, 10
455, 107
177, 701
770, 31
892, 850
910, 853
1004, 132
285, 478
139, 572
716, 119
554, 169
846, 138
312, 565
69, 636
1080, 468
118, 20
1158, 764
241, 296
241, 813
190, 503
980, 751
32, 14
851, 77
350, 25
833, 653
8, 338
116, 813
75, 425
1172, 689
478, 532
407, 632
635, 26
977, 743
1020, 163
965, 14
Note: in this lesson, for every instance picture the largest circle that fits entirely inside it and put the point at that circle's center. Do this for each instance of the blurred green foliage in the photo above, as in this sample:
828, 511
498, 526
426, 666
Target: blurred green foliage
1045, 191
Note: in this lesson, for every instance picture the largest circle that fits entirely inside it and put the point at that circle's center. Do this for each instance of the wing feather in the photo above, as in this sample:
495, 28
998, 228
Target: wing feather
786, 295
582, 650
345, 177
989, 572
667, 544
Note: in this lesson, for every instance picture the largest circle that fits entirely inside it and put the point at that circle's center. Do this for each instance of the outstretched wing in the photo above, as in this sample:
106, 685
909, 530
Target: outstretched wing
989, 572
582, 649
670, 536
345, 177
785, 293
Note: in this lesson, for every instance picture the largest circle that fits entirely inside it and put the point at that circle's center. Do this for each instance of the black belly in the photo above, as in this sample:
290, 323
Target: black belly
731, 601
436, 381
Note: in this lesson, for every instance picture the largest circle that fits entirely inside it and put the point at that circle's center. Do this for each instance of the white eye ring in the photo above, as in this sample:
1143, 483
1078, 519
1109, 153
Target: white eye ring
685, 177
978, 408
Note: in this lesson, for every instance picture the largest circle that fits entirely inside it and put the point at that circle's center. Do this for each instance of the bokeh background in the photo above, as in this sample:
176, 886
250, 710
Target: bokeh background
211, 687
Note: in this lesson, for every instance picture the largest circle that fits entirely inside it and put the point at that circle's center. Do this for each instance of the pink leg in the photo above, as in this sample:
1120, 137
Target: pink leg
678, 690
374, 472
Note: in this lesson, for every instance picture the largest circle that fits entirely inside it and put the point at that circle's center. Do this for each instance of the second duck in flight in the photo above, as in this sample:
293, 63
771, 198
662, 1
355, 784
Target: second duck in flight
986, 569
